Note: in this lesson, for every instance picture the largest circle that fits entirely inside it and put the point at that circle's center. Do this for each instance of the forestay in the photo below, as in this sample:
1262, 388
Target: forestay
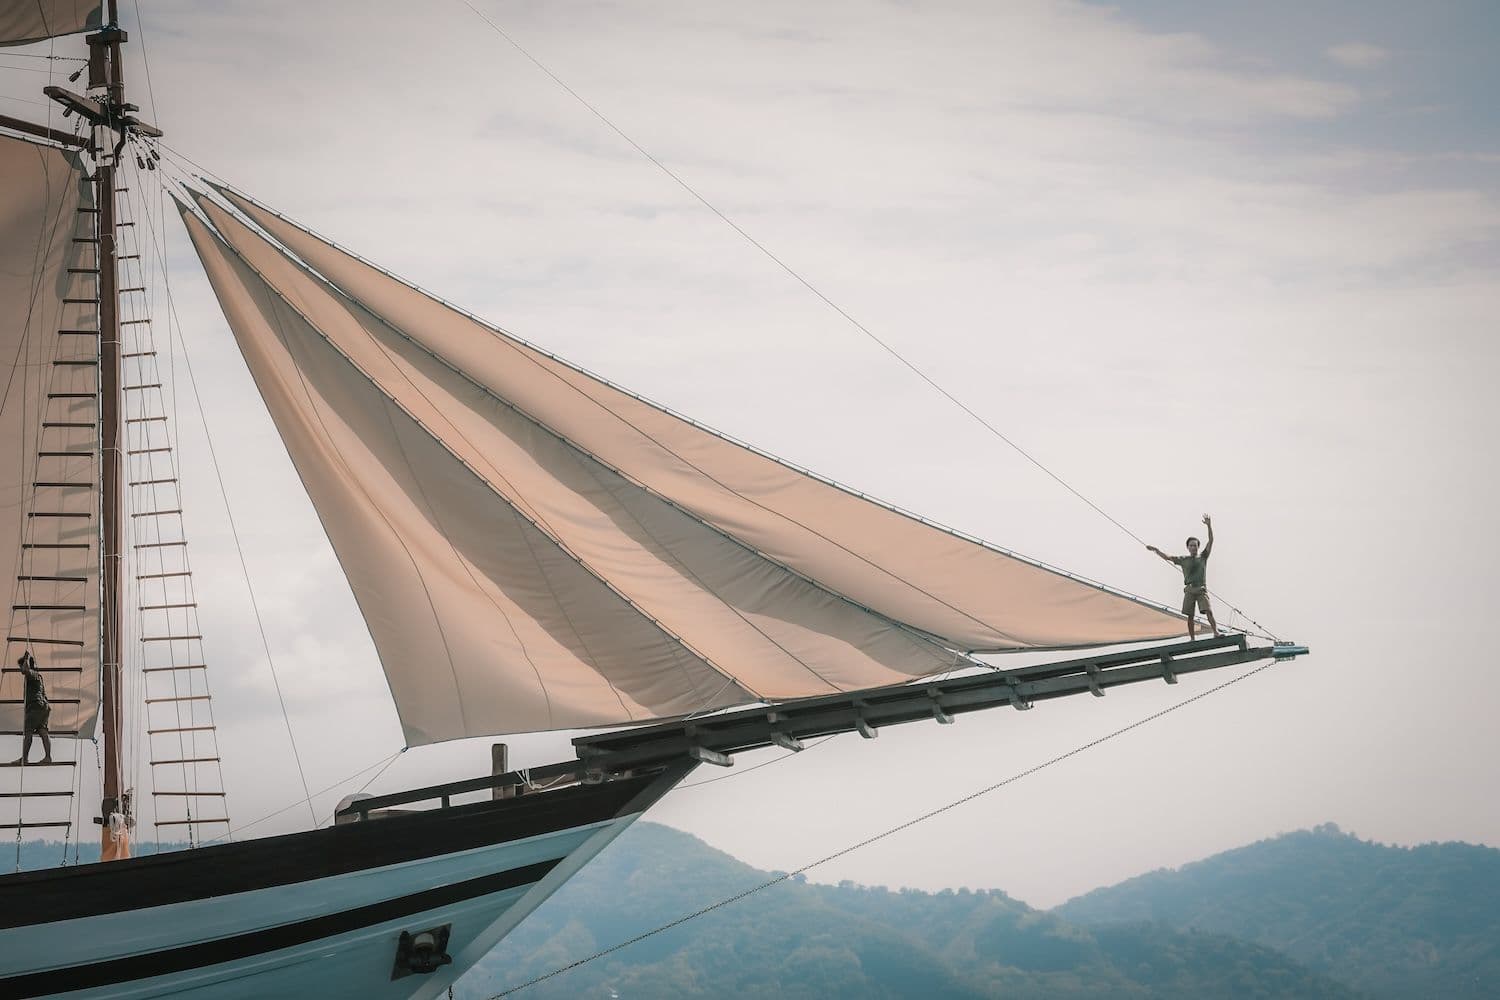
49, 548
24, 21
533, 548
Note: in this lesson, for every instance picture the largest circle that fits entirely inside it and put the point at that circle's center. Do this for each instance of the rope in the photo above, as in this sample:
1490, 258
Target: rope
892, 831
783, 265
150, 371
805, 283
176, 328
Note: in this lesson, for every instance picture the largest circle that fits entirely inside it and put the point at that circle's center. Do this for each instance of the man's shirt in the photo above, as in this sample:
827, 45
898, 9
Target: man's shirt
1194, 570
36, 694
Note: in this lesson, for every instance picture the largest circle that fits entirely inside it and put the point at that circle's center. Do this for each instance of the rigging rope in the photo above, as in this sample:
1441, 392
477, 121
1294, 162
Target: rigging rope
805, 283
175, 329
150, 371
891, 831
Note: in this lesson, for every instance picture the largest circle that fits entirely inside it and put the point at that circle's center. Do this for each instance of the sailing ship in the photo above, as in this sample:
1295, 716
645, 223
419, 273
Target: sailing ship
532, 547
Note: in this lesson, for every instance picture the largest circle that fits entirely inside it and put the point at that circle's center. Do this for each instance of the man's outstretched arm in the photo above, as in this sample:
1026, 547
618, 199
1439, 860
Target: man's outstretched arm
1162, 554
1208, 523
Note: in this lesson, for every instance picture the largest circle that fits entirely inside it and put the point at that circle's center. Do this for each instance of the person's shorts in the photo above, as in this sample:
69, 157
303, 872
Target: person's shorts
37, 717
1195, 598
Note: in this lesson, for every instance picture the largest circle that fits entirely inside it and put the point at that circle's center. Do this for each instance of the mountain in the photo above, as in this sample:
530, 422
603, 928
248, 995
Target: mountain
797, 940
1391, 921
1313, 914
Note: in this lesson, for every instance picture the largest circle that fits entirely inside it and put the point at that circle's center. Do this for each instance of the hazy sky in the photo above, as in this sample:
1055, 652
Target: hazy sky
1228, 258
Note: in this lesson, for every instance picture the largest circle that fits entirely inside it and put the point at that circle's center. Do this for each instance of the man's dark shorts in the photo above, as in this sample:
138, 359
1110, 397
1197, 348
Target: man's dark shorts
1195, 598
37, 717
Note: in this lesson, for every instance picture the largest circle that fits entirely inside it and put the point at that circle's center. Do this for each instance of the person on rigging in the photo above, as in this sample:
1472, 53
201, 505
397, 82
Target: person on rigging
1194, 579
37, 710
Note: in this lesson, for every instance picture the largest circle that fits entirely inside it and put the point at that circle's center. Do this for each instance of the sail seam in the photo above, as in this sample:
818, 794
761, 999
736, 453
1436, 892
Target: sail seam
389, 527
557, 599
563, 547
698, 580
458, 693
520, 643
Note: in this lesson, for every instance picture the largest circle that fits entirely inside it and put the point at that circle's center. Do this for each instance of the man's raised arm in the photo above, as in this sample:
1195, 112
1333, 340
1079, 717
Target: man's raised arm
1208, 523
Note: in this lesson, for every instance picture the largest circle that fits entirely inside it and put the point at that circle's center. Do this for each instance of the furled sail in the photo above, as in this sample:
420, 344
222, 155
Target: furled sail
49, 546
24, 21
533, 548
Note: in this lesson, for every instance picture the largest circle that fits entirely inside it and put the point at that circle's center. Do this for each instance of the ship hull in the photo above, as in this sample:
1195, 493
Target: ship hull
310, 914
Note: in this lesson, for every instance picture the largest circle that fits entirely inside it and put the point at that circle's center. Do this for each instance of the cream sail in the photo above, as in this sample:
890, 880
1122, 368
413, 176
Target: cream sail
535, 549
48, 430
37, 20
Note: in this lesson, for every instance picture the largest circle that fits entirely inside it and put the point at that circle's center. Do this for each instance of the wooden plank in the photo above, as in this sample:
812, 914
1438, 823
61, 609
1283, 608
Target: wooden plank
191, 822
28, 795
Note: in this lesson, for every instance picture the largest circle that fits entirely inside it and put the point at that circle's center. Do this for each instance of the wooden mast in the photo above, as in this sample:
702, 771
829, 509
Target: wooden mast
113, 124
105, 49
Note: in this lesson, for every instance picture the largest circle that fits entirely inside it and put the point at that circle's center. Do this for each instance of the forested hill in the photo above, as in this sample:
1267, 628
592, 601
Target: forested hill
1395, 922
797, 940
1306, 915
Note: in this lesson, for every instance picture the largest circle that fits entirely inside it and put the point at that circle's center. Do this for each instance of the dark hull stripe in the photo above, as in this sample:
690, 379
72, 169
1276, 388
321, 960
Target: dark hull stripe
30, 898
242, 946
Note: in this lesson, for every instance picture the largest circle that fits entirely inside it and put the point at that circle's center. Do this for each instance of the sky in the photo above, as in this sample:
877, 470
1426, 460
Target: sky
1237, 259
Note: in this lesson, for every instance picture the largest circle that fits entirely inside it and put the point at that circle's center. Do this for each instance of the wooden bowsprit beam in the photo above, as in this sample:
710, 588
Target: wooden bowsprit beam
714, 739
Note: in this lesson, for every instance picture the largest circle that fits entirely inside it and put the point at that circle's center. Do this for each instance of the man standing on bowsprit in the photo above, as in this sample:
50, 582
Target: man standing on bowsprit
1194, 579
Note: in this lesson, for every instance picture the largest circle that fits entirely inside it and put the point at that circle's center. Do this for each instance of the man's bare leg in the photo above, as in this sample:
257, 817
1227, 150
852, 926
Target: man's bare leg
46, 747
25, 748
1211, 623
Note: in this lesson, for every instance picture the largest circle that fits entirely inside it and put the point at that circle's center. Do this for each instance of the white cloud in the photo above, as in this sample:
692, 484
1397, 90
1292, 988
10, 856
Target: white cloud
1358, 55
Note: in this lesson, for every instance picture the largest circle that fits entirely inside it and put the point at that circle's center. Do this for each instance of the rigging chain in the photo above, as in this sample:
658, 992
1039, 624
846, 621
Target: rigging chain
892, 831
